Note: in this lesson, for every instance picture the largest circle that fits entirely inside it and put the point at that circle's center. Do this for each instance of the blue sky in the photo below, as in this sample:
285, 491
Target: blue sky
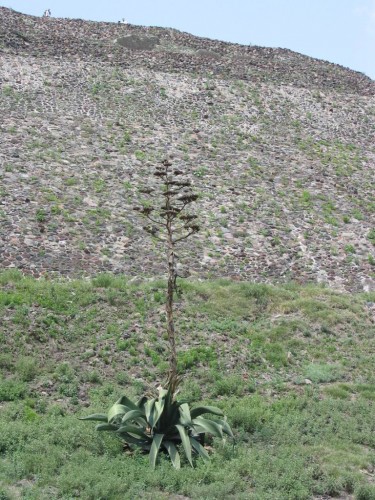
340, 31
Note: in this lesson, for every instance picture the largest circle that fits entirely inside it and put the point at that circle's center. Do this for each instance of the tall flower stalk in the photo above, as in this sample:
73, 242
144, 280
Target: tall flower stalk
169, 221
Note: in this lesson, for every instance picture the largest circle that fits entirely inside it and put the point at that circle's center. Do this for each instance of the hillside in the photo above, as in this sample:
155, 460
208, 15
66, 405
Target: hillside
280, 146
292, 367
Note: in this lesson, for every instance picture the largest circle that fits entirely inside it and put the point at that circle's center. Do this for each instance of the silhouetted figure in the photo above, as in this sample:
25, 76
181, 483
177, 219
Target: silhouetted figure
47, 13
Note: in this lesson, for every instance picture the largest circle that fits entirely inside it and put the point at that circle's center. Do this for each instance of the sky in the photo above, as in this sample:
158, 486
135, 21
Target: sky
339, 31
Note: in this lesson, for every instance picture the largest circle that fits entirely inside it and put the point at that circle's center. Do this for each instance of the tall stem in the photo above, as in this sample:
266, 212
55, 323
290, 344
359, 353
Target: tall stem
177, 195
169, 302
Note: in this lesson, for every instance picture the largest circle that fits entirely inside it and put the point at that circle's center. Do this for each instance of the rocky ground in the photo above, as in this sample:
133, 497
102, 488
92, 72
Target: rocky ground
279, 145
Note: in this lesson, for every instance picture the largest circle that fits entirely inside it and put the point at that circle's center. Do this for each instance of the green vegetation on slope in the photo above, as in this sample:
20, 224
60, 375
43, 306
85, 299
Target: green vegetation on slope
292, 367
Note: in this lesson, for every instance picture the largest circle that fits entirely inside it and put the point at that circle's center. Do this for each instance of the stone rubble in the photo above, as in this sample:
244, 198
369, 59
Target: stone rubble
280, 146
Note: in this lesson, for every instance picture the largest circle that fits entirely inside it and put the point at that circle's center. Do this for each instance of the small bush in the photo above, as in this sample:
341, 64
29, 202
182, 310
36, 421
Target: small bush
6, 361
93, 377
232, 385
10, 276
365, 492
64, 373
27, 368
338, 391
322, 373
191, 391
4, 495
103, 281
371, 236
196, 355
275, 354
11, 389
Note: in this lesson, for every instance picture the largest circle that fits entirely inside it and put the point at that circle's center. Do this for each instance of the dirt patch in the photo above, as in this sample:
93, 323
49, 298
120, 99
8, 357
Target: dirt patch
136, 42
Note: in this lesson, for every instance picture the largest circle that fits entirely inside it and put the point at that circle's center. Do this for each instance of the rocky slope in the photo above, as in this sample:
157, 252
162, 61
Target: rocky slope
280, 146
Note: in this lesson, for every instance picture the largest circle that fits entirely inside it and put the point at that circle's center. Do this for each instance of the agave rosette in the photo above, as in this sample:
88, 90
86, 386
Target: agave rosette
159, 423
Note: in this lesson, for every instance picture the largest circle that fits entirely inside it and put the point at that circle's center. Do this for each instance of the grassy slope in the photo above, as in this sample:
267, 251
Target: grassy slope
291, 366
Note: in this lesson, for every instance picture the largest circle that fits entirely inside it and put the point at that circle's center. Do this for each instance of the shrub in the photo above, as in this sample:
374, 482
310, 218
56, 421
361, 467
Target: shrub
11, 389
27, 368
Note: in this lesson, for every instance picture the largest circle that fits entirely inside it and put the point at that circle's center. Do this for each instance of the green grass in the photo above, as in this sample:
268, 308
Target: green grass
291, 367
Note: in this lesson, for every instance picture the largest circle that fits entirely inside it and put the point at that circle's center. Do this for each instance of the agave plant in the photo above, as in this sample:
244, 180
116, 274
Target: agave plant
159, 423
164, 422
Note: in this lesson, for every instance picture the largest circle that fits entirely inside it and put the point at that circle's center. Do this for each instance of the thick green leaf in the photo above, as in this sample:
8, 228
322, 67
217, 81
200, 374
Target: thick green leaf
141, 402
226, 428
173, 453
181, 402
199, 448
106, 427
158, 410
169, 406
96, 416
185, 417
158, 438
133, 430
149, 408
170, 417
134, 415
141, 443
200, 410
127, 402
117, 411
201, 425
185, 442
